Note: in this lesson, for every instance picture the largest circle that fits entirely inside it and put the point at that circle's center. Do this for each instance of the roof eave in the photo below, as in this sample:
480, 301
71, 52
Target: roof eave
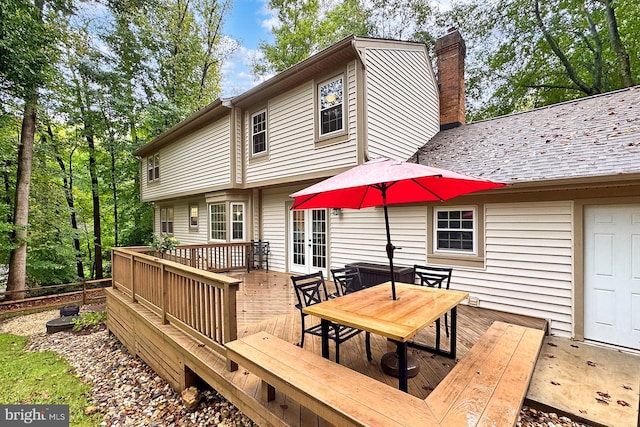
599, 180
200, 118
338, 53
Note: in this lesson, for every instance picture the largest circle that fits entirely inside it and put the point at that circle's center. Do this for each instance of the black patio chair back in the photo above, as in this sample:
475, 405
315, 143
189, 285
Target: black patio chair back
258, 255
311, 289
434, 277
347, 280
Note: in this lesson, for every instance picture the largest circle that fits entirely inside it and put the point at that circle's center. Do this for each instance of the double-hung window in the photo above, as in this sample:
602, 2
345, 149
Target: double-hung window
455, 230
237, 221
330, 107
194, 216
218, 221
166, 220
259, 133
153, 167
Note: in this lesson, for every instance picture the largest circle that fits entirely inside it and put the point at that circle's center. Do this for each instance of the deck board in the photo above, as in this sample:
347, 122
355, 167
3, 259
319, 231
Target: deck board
266, 302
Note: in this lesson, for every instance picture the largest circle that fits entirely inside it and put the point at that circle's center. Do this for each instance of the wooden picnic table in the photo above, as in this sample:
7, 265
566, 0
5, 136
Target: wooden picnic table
374, 310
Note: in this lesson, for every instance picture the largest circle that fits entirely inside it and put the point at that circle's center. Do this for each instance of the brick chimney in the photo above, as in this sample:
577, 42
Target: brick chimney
451, 51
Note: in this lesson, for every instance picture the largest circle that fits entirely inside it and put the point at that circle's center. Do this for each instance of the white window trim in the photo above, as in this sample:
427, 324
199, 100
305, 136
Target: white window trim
153, 165
474, 230
266, 135
197, 225
244, 221
173, 220
211, 224
319, 112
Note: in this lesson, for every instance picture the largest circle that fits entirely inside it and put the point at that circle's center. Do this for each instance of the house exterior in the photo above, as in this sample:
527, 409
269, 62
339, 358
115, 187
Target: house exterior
562, 241
559, 242
224, 174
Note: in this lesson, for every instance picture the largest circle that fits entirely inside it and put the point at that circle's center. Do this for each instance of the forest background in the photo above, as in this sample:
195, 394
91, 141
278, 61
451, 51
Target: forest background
85, 83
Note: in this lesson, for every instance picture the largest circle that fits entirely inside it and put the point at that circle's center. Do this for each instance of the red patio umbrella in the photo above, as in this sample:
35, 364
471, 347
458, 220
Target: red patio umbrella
382, 182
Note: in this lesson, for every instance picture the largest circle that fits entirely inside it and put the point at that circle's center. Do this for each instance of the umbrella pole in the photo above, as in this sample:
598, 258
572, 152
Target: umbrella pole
390, 247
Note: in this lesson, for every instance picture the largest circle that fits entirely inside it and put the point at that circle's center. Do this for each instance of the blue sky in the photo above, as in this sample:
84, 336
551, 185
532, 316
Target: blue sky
248, 23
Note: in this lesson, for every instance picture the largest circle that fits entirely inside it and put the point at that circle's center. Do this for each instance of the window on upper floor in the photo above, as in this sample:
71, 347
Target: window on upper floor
153, 167
194, 216
237, 221
330, 107
259, 133
455, 230
218, 221
166, 220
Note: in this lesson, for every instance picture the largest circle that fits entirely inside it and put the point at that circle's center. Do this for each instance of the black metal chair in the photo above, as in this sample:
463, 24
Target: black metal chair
347, 280
258, 255
311, 289
434, 277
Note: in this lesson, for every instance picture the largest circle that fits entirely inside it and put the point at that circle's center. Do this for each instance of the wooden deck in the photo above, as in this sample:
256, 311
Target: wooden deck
265, 302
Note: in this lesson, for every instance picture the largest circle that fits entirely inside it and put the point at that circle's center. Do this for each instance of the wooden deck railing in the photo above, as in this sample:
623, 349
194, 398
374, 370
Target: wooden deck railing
199, 302
216, 257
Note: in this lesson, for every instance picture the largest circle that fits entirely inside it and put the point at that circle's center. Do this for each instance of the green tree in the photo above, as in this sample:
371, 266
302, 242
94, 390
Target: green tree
528, 53
298, 35
307, 26
28, 34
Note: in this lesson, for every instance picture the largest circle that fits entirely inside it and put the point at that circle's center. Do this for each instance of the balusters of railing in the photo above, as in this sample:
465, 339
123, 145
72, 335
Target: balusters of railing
132, 283
164, 299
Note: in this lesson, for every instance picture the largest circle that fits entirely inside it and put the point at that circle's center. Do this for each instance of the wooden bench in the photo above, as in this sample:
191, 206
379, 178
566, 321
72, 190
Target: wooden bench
336, 393
487, 387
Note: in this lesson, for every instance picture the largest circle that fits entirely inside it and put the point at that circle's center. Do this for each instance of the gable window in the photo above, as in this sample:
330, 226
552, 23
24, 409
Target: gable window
237, 221
194, 216
218, 221
153, 167
259, 132
166, 220
331, 106
455, 230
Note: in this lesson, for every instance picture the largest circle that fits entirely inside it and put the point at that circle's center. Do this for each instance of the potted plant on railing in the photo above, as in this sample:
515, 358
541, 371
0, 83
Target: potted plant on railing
163, 243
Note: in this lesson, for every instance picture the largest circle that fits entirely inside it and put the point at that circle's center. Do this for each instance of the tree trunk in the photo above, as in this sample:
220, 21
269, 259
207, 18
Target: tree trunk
68, 193
97, 229
571, 72
17, 280
114, 191
624, 65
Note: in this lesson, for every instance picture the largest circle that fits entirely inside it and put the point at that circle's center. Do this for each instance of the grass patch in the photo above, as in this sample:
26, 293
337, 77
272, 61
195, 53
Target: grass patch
41, 378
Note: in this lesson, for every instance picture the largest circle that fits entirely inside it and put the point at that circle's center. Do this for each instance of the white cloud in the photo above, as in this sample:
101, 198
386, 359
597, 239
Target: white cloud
271, 20
237, 76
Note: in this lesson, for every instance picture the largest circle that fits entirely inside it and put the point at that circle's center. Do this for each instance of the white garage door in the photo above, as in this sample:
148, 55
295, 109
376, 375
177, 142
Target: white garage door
612, 275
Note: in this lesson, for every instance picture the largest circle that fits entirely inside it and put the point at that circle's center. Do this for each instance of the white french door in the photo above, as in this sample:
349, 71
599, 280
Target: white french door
308, 241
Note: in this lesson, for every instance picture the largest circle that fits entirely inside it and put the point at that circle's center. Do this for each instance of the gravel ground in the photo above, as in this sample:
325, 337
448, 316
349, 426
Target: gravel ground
128, 393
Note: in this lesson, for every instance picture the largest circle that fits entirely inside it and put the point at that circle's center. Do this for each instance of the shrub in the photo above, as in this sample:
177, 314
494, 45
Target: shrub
90, 321
163, 243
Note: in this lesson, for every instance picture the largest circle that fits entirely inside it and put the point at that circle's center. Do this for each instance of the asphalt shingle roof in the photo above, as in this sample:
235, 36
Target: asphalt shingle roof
589, 137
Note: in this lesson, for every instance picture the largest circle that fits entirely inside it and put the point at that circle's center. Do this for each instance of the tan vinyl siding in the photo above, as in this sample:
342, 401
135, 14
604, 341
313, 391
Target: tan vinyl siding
528, 254
197, 161
402, 102
181, 229
185, 234
274, 224
290, 130
238, 146
528, 263
360, 235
